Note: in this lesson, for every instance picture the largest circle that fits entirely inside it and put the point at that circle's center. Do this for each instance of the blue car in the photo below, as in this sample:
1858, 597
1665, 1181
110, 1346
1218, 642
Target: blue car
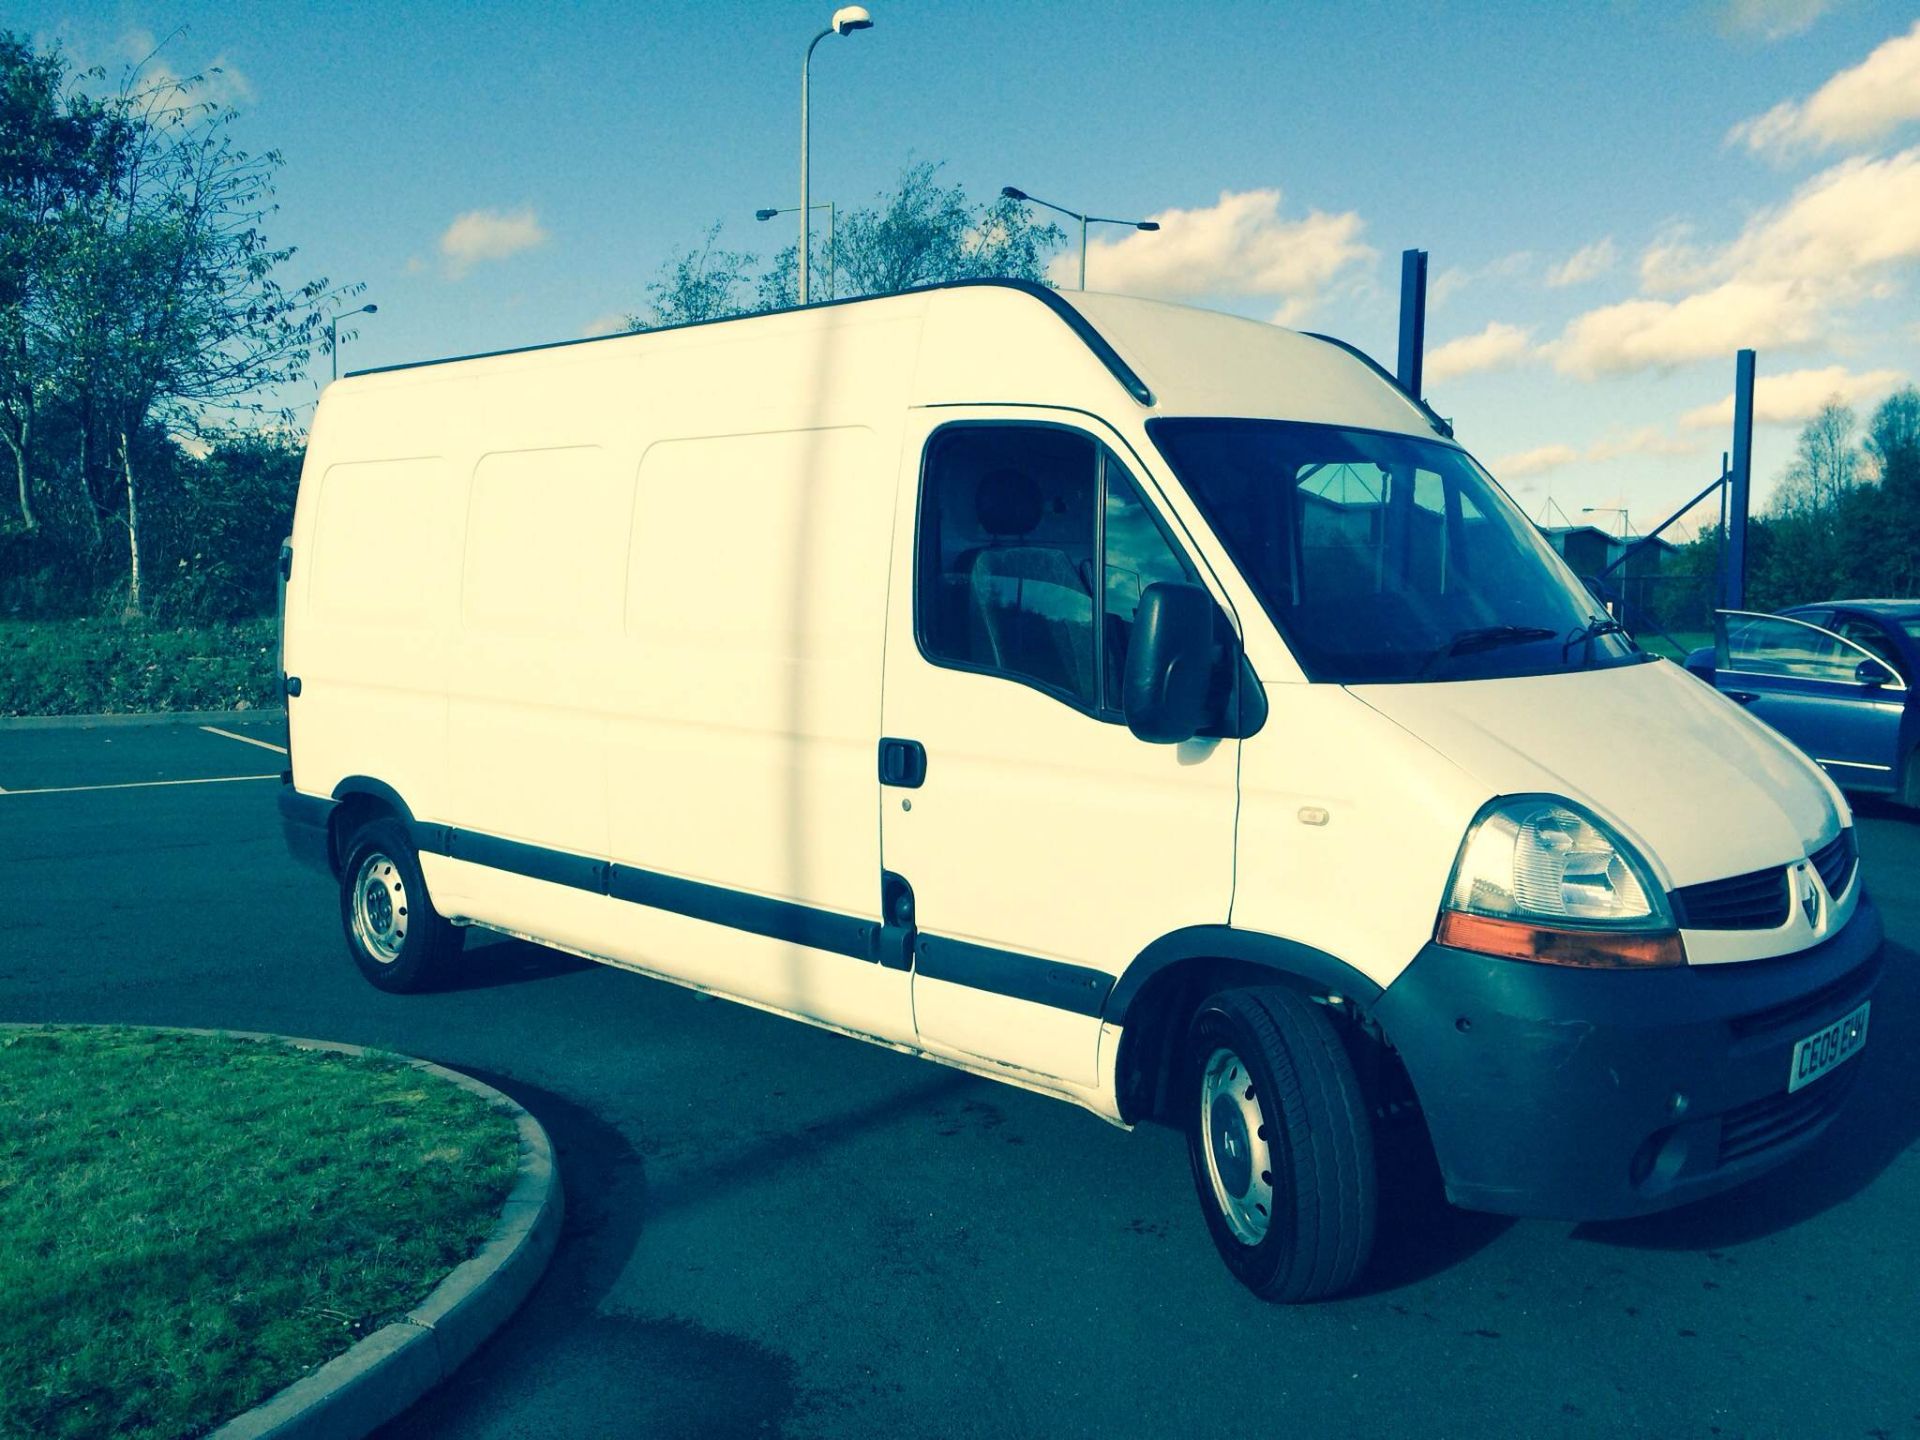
1837, 678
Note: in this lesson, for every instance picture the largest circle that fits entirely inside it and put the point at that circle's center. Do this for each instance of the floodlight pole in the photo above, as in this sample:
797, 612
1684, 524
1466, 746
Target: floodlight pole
1733, 583
1413, 321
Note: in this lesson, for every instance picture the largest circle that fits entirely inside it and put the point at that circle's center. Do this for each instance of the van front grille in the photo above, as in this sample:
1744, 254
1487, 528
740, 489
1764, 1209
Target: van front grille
1836, 861
1755, 901
1779, 1119
1830, 1001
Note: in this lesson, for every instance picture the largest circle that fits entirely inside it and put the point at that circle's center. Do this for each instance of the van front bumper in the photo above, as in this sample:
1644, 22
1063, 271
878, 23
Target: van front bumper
1599, 1094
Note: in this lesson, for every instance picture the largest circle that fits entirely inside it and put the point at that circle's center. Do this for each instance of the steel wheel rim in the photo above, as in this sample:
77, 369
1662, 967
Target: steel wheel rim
380, 908
1234, 1140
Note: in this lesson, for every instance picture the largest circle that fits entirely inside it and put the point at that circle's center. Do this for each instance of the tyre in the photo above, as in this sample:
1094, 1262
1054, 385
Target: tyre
1281, 1144
394, 934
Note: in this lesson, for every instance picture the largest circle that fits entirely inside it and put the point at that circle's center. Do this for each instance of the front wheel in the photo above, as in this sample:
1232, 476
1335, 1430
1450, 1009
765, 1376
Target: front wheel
395, 936
1281, 1144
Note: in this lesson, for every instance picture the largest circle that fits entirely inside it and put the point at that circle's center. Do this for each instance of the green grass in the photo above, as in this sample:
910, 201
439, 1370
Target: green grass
94, 667
189, 1223
1682, 643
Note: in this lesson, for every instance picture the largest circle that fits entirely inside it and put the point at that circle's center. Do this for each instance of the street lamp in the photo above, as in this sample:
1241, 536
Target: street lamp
333, 332
833, 264
846, 20
1085, 220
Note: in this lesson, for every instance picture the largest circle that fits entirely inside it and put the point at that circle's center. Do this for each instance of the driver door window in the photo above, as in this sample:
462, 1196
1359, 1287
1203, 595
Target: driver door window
1035, 547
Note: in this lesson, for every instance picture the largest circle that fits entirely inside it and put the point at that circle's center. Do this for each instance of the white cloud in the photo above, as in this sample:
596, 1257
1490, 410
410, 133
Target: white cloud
1646, 440
1652, 334
1239, 246
1533, 462
1584, 264
1779, 284
483, 235
1857, 106
219, 81
1772, 19
1796, 396
608, 322
1494, 348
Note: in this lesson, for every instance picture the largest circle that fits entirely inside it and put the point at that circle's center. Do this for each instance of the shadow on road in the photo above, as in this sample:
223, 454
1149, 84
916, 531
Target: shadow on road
1419, 1233
1880, 1123
562, 1366
565, 1365
491, 960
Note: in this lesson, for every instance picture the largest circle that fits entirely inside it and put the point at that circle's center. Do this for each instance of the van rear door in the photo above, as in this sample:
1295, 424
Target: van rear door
1042, 845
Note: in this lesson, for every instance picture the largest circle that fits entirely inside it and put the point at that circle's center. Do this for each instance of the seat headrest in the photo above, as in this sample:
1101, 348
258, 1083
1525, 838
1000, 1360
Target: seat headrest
1008, 503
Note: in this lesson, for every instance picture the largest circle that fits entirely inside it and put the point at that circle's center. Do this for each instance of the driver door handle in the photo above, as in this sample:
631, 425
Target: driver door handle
1740, 697
903, 763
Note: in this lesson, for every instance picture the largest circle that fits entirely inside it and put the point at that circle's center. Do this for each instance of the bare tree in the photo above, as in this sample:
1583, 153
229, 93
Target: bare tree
704, 283
169, 307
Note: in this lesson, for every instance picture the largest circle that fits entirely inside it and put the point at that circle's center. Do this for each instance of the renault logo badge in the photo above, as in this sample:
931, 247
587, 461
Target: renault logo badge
1809, 895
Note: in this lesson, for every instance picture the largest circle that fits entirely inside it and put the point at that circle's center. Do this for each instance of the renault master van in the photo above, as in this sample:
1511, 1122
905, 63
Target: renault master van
1148, 707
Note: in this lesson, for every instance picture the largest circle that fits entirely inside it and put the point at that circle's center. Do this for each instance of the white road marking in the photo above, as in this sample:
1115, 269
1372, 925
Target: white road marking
138, 785
244, 739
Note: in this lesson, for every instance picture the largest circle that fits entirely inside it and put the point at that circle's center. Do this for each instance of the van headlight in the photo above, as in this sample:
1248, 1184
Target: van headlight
1540, 879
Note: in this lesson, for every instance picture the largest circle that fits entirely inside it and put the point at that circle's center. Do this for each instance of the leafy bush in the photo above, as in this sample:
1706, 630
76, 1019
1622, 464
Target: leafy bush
94, 667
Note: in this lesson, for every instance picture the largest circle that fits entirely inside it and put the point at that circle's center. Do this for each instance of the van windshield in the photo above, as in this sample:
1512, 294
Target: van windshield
1385, 558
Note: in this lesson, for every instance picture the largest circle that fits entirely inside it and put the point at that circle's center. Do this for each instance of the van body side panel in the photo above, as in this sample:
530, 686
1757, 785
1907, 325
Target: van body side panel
1348, 828
368, 613
744, 698
539, 606
747, 698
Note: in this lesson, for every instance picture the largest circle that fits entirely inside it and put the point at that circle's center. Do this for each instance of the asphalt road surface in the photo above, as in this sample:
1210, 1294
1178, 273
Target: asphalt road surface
777, 1231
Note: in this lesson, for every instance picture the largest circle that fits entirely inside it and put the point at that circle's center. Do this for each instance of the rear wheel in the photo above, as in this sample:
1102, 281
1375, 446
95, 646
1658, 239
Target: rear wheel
1281, 1144
395, 936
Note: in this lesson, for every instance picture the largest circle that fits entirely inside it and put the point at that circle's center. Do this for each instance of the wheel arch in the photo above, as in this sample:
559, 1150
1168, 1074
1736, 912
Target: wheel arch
1165, 983
358, 799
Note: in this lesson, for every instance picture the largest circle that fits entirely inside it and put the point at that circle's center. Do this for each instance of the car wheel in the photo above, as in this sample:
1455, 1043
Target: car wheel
1280, 1143
395, 936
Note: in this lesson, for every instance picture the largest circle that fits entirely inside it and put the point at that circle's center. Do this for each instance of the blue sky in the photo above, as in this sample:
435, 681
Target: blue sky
1727, 171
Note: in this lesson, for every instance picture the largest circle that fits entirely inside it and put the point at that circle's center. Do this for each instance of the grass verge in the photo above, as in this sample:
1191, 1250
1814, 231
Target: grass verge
96, 667
193, 1222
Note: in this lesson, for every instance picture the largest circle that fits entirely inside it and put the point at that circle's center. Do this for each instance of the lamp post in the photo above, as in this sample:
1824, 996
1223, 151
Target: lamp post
1085, 220
846, 20
833, 263
333, 332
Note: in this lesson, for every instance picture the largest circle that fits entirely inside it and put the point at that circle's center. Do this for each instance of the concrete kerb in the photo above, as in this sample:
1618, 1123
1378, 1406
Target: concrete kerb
381, 1375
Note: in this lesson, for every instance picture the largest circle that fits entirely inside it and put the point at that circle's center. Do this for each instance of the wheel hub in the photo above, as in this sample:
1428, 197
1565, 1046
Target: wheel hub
1238, 1155
380, 908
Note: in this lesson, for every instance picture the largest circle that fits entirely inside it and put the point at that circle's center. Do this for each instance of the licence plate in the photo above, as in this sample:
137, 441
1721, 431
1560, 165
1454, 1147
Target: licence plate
1824, 1049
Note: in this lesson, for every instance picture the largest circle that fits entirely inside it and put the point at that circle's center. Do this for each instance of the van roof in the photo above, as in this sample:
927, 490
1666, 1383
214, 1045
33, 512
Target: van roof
1180, 338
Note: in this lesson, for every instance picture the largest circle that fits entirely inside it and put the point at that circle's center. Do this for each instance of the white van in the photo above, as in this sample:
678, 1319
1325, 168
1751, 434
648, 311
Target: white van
1148, 707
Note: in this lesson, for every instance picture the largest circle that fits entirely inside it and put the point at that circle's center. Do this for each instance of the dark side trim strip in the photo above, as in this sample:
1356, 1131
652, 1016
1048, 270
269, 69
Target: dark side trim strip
1019, 977
1052, 983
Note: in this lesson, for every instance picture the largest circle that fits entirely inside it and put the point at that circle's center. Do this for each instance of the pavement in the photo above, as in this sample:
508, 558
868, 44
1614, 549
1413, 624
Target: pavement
772, 1230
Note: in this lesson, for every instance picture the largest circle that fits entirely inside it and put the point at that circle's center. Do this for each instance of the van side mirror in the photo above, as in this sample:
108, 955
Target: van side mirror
1170, 663
1872, 672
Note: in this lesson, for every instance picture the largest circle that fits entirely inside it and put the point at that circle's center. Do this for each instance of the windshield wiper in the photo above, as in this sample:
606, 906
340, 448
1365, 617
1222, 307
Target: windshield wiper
1596, 626
1486, 637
